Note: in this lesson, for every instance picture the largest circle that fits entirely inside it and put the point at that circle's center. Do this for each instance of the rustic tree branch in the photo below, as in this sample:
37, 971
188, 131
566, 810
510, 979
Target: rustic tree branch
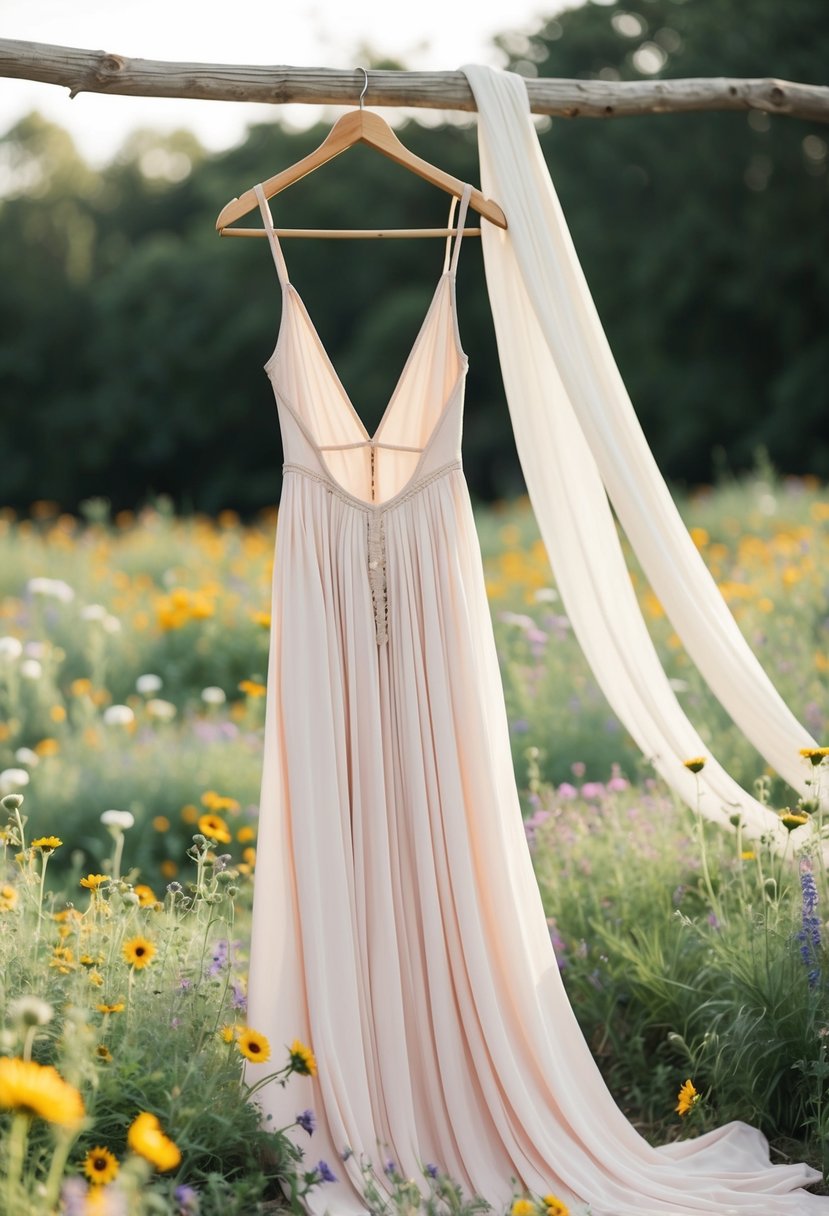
84, 71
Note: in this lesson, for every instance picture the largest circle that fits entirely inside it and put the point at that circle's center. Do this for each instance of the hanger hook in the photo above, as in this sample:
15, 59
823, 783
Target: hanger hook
365, 86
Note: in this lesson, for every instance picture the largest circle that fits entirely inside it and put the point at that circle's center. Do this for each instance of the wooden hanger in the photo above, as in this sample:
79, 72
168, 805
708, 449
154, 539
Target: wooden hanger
358, 126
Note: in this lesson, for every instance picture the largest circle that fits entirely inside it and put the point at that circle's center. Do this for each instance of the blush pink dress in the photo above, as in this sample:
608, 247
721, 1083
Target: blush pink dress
398, 928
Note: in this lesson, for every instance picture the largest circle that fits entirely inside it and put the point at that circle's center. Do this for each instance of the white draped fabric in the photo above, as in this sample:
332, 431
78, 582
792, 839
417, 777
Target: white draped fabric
579, 442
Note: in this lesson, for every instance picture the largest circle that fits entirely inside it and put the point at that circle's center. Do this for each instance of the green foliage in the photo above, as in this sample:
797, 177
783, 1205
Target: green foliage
664, 986
132, 341
701, 235
130, 1038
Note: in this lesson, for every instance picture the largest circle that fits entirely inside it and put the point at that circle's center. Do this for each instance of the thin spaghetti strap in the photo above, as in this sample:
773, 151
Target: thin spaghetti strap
452, 207
276, 248
467, 190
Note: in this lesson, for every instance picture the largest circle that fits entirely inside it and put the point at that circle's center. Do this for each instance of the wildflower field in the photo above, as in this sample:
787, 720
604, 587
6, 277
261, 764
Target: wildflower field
133, 659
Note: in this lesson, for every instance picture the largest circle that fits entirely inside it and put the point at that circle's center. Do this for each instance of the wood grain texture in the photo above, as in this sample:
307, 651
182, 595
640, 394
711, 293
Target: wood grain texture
92, 71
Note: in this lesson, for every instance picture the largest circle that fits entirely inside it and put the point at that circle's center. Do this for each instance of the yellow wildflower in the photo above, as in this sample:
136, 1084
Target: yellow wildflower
523, 1207
92, 882
792, 819
228, 1032
117, 1007
161, 823
100, 1166
245, 835
146, 895
214, 827
8, 897
39, 1089
146, 1138
302, 1059
695, 764
254, 1046
554, 1206
102, 1052
686, 1098
47, 844
62, 959
814, 754
138, 952
252, 688
218, 802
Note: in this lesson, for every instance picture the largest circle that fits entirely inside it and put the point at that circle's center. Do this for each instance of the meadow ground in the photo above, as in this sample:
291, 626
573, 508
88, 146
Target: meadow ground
133, 657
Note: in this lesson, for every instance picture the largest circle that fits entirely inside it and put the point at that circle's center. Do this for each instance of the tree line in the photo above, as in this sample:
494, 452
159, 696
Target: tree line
132, 339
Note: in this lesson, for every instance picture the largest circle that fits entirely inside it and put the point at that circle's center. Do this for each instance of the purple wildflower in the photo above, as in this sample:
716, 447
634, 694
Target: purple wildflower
559, 625
389, 1168
568, 791
220, 958
73, 1195
432, 1170
240, 1001
558, 943
187, 1198
307, 1122
809, 935
325, 1172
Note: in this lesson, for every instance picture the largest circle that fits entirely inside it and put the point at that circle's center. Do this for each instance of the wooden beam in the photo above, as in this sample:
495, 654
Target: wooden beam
85, 71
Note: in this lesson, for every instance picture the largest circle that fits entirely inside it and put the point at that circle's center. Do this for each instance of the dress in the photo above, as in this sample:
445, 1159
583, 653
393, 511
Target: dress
398, 928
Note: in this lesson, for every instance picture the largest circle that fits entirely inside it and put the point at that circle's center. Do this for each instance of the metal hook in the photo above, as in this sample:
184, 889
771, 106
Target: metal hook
365, 86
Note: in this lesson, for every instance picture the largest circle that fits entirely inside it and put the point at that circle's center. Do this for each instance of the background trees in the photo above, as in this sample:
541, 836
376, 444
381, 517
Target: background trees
132, 339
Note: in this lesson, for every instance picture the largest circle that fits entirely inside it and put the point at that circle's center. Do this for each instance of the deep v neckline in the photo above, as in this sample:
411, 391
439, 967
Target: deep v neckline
365, 437
370, 440
290, 295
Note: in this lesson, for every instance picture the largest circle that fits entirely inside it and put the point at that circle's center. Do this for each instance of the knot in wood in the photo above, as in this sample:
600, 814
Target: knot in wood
112, 63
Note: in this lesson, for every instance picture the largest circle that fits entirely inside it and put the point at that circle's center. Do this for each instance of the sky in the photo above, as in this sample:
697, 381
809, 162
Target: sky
425, 35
